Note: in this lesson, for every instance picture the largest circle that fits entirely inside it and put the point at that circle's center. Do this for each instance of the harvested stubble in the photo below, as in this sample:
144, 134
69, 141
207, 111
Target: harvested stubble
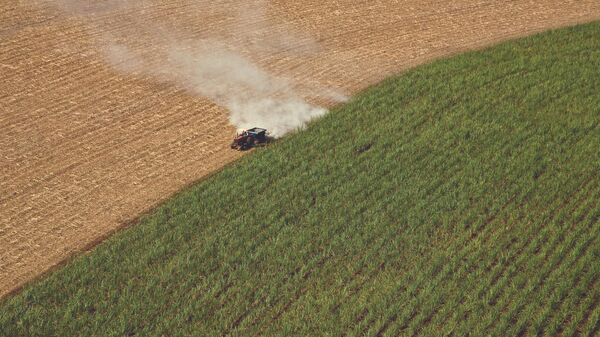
460, 198
84, 148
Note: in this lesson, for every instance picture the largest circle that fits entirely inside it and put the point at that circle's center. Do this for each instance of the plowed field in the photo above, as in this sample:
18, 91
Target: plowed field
85, 148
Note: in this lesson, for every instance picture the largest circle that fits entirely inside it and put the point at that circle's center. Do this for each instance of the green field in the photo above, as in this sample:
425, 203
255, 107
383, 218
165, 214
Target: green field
460, 198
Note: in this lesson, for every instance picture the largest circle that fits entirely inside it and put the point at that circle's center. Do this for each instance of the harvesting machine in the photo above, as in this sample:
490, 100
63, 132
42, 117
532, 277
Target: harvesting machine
250, 138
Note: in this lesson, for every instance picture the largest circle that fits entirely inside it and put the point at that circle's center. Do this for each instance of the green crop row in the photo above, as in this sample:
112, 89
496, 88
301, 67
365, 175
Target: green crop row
457, 199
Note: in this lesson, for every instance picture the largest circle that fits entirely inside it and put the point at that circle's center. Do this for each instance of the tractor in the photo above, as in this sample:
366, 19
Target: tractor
249, 138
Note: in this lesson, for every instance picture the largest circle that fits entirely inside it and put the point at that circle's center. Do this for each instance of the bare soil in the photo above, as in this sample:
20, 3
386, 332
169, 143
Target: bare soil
85, 148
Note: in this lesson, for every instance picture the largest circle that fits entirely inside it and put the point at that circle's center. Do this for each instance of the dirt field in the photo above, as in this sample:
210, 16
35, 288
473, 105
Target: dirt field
85, 148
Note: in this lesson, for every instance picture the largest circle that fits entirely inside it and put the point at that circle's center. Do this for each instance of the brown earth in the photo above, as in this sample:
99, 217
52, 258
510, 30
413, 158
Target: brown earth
85, 148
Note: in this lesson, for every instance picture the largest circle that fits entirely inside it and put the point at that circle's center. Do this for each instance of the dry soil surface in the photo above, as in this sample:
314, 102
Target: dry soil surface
85, 148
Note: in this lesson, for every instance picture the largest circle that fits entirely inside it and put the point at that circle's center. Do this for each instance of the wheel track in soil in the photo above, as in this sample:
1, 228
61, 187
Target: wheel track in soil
87, 149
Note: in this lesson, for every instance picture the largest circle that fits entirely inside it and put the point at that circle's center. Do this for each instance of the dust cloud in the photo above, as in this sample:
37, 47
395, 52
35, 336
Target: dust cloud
217, 62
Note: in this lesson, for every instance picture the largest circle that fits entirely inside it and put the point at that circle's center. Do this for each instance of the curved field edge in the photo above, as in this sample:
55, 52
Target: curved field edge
458, 198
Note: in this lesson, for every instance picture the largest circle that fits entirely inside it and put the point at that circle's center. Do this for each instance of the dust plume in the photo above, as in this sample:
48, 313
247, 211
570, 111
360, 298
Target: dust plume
217, 63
